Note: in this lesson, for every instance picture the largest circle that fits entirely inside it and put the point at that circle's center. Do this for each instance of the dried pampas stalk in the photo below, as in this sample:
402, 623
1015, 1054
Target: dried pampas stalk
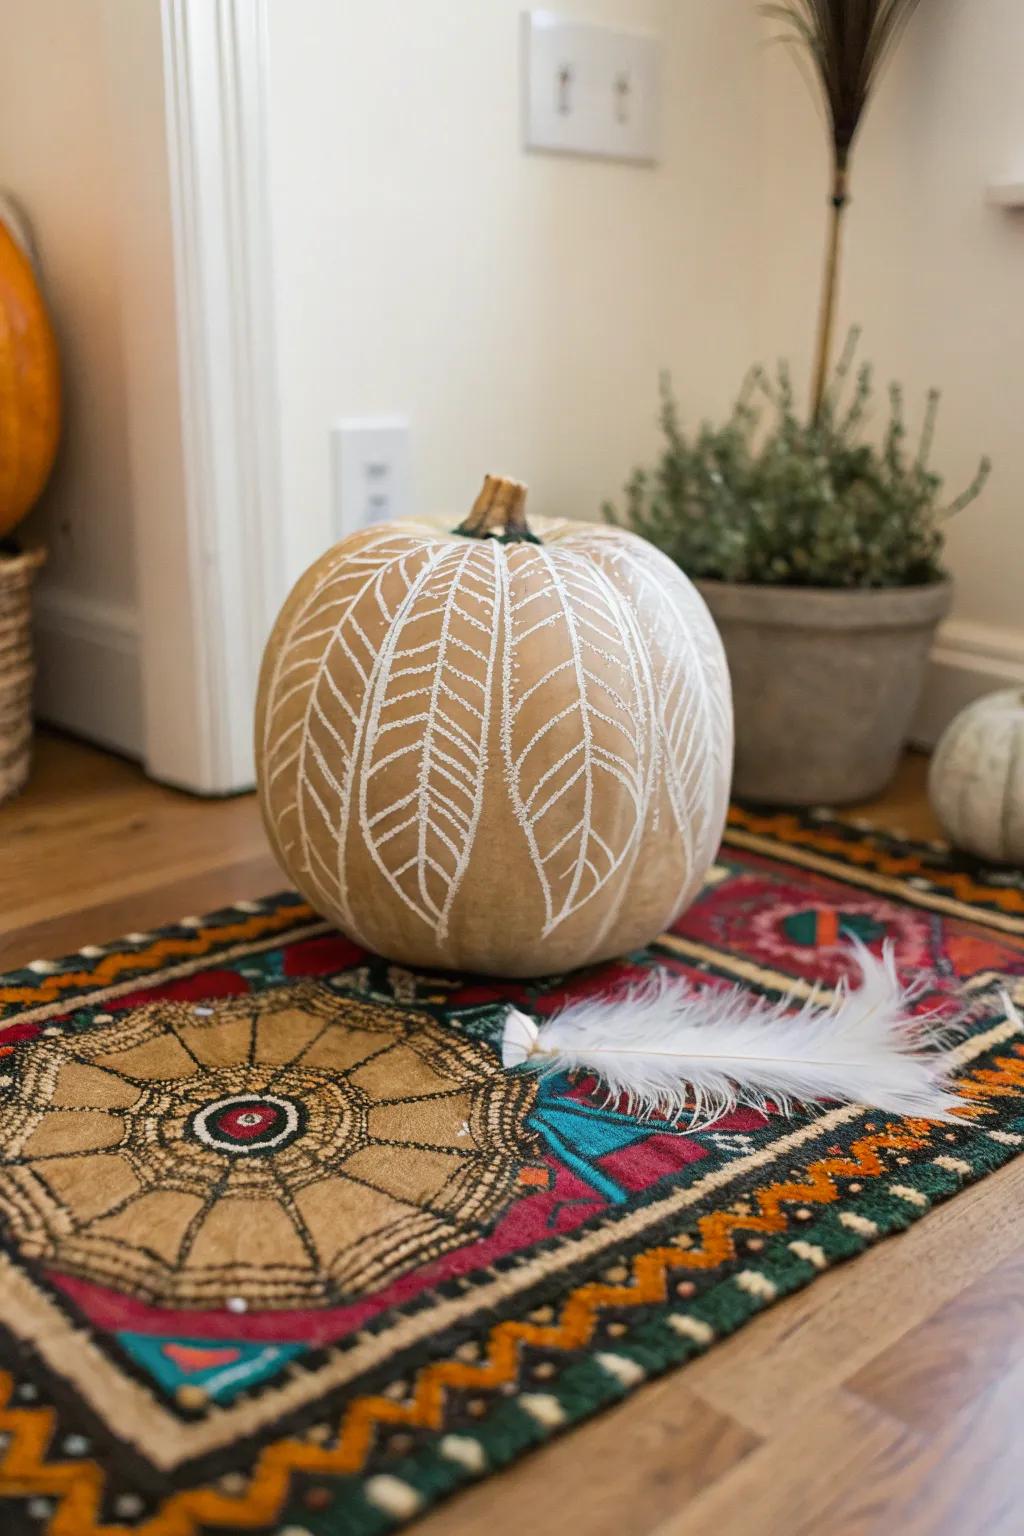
665, 1048
847, 41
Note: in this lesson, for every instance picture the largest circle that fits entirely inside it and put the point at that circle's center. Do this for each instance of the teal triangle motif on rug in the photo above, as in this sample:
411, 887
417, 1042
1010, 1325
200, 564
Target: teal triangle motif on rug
221, 1368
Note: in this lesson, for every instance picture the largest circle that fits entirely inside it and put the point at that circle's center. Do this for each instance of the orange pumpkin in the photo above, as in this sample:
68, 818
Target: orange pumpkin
29, 385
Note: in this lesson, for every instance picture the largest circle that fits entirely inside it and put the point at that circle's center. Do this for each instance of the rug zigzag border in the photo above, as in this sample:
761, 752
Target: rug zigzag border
115, 962
912, 870
78, 1486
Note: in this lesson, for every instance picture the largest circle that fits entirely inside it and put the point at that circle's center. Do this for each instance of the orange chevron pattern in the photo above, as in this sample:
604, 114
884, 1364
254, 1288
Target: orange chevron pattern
78, 1485
1004, 1080
107, 969
789, 829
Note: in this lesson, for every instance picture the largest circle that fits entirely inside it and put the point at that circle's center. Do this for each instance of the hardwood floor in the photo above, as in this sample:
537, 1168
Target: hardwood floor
92, 849
885, 1398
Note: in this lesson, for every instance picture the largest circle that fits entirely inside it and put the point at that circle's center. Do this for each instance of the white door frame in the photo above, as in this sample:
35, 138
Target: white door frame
205, 439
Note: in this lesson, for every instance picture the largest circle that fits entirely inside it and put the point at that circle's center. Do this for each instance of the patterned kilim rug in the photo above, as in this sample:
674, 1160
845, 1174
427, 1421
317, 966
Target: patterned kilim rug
285, 1249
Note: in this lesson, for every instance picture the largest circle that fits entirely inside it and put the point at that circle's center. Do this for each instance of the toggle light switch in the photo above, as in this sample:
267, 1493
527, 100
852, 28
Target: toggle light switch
589, 90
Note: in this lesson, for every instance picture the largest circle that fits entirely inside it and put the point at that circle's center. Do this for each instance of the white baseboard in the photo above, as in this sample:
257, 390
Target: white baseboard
88, 671
967, 661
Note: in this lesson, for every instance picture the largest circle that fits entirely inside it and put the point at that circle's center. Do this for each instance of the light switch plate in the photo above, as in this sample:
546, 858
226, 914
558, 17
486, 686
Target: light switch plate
589, 90
371, 472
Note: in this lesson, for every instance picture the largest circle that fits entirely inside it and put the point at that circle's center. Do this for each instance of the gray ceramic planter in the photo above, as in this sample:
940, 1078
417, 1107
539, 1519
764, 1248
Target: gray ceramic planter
825, 684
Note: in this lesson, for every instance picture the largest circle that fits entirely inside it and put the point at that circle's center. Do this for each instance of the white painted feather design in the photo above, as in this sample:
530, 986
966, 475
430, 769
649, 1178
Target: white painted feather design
430, 710
580, 796
665, 1048
318, 701
691, 689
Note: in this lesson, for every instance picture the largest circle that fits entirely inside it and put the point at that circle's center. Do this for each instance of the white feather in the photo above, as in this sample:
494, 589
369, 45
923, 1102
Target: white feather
667, 1048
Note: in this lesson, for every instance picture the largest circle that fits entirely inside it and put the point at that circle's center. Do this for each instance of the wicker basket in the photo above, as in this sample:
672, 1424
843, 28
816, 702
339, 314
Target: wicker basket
16, 671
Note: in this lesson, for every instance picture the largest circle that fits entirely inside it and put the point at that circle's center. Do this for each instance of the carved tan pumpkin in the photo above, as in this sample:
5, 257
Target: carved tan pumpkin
495, 749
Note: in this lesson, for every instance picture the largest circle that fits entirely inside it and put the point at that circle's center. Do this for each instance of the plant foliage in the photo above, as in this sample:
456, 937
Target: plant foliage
773, 499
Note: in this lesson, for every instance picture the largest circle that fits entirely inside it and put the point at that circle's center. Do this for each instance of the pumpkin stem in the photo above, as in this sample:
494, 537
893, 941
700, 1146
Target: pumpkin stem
499, 512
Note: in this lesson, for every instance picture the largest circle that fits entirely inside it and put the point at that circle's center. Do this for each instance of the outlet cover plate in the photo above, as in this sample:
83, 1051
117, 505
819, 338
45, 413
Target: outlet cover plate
371, 472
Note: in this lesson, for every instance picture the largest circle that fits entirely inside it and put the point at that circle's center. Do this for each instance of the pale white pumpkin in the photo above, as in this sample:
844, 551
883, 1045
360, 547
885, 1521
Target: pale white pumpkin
976, 779
495, 749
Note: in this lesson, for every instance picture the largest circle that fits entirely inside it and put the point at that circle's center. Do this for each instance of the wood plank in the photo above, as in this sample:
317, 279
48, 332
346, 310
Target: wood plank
933, 1372
92, 840
625, 1471
819, 1476
772, 1372
847, 1468
142, 910
964, 1479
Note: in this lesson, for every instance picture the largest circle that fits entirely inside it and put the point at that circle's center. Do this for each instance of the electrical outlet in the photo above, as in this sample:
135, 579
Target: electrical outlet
371, 472
589, 90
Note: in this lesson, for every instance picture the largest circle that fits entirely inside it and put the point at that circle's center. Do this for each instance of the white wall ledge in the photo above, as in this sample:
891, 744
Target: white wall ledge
1007, 194
967, 661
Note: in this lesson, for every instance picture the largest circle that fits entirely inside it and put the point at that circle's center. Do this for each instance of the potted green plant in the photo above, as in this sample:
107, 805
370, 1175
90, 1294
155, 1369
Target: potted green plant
818, 551
820, 557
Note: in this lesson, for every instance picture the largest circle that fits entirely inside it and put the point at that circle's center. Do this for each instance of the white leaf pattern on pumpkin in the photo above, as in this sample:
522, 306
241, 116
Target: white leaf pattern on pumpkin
694, 702
329, 658
580, 800
431, 711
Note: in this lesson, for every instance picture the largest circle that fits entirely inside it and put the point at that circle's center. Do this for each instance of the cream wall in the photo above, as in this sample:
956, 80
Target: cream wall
518, 307
58, 157
933, 273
